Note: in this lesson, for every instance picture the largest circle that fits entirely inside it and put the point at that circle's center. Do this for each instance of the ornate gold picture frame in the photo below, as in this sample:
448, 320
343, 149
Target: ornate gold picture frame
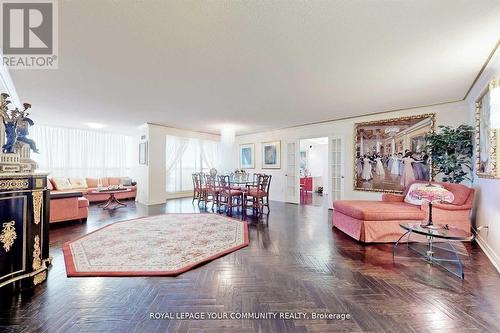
382, 147
487, 139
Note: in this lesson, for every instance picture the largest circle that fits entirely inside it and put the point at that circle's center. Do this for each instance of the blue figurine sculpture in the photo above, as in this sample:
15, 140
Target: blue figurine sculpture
16, 125
22, 133
11, 136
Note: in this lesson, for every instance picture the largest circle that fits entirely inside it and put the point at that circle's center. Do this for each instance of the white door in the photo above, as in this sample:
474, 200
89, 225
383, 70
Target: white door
292, 190
336, 162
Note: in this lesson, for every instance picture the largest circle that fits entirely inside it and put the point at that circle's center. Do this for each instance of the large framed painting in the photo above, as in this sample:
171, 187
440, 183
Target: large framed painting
390, 153
247, 156
487, 138
271, 155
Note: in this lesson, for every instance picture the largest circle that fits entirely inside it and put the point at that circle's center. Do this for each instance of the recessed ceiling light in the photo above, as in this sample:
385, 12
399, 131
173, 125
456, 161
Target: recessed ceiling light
95, 125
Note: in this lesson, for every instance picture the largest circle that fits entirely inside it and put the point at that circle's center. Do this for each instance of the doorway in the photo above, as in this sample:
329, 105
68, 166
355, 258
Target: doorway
313, 170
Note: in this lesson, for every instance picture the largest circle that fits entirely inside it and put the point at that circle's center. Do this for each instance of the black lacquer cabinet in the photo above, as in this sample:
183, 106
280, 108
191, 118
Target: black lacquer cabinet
24, 230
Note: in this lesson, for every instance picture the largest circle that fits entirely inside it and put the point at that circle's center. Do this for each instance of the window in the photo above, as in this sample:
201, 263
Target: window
71, 152
185, 156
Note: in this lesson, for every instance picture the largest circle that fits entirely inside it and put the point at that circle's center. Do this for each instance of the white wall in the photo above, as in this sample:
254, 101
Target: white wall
488, 190
446, 114
151, 179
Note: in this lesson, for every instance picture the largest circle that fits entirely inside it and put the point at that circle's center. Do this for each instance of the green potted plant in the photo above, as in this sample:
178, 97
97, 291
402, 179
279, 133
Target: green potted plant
451, 151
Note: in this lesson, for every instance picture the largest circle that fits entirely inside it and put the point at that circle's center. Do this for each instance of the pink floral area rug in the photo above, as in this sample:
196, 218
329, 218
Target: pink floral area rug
163, 245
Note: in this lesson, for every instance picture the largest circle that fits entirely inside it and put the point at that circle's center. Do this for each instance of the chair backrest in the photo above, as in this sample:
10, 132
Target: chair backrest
203, 179
211, 181
255, 178
224, 181
196, 180
463, 195
263, 182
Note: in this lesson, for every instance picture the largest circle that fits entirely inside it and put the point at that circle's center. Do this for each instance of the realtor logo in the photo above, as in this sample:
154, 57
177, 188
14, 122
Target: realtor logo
29, 34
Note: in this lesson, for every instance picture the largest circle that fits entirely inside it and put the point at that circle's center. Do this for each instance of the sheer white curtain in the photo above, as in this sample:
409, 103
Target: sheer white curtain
185, 156
211, 154
175, 148
69, 152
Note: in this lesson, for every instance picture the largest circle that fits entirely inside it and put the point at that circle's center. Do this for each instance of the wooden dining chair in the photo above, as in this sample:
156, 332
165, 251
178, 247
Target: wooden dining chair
257, 196
229, 197
203, 189
213, 191
196, 186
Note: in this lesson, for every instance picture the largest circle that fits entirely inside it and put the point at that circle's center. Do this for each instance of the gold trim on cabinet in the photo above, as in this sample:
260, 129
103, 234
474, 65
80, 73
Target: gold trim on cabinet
20, 277
37, 260
37, 206
38, 183
39, 278
25, 206
14, 184
8, 235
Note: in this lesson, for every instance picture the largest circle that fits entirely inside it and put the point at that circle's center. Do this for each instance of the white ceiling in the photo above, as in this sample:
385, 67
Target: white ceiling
256, 64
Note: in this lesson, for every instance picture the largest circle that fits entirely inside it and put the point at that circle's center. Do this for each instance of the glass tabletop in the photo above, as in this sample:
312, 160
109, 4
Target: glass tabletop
439, 231
241, 182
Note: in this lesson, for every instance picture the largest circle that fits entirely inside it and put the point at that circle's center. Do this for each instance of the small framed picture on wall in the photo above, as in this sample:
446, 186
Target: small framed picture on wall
271, 155
247, 156
143, 153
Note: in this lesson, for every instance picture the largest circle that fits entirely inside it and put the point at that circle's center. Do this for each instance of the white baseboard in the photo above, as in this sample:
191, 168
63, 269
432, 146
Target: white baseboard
495, 260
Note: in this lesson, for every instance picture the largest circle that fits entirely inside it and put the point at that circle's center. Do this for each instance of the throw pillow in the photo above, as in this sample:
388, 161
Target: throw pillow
91, 182
78, 183
62, 184
114, 180
50, 187
414, 201
126, 181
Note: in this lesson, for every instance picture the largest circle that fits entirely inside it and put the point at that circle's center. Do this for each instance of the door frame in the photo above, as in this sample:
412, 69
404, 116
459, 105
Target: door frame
296, 198
342, 167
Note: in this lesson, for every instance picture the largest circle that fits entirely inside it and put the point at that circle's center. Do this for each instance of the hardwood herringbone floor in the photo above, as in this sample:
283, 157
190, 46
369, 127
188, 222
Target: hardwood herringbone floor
294, 263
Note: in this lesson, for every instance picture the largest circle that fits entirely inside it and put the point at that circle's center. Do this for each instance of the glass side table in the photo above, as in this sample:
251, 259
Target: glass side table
439, 248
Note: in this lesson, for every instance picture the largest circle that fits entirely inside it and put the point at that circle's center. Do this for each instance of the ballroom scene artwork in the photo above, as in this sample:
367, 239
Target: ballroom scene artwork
271, 155
390, 153
247, 156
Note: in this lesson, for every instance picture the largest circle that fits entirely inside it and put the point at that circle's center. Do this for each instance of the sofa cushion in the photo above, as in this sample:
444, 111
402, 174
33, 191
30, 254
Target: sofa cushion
114, 180
61, 184
126, 181
379, 211
461, 193
78, 183
91, 182
63, 209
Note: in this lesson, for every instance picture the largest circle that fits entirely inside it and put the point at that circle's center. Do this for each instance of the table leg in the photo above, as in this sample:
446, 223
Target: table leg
397, 243
113, 200
430, 250
105, 204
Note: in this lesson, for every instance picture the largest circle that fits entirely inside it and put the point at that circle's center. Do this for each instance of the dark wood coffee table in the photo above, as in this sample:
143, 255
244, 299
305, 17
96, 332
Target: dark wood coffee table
112, 202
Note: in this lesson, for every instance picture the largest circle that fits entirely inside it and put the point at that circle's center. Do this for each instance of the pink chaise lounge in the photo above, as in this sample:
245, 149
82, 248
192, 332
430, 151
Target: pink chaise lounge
378, 221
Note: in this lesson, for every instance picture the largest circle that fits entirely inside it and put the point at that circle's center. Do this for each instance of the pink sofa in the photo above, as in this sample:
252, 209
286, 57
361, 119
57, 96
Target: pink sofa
68, 206
378, 221
92, 186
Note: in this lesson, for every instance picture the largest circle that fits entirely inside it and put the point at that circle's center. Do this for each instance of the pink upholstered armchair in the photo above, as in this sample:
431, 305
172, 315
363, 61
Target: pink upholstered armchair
378, 221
